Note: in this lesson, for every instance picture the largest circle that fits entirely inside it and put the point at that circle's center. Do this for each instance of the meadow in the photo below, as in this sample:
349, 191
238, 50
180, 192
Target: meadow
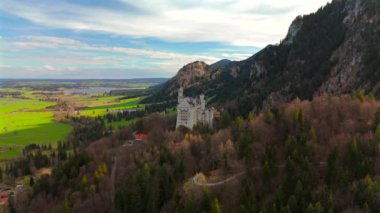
104, 105
28, 119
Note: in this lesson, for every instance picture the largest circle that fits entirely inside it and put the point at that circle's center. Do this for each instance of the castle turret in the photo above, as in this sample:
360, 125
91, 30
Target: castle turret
180, 94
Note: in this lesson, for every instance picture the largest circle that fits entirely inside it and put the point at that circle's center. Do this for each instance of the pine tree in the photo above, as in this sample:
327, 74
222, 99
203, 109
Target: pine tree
31, 181
84, 181
377, 133
206, 200
268, 116
66, 206
189, 206
313, 135
251, 116
216, 206
360, 95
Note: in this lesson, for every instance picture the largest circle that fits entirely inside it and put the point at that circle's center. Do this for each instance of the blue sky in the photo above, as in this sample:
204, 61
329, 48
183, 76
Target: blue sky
134, 39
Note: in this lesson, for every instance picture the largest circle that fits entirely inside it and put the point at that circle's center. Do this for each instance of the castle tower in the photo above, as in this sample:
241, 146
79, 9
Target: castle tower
180, 94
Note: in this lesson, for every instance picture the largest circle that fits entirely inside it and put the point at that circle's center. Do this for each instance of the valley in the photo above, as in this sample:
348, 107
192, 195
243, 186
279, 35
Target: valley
287, 126
42, 117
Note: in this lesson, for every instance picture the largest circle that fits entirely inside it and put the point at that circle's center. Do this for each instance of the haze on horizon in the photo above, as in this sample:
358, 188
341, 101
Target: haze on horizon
129, 39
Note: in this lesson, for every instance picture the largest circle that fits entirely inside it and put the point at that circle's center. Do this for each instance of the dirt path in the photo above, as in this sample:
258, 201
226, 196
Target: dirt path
197, 183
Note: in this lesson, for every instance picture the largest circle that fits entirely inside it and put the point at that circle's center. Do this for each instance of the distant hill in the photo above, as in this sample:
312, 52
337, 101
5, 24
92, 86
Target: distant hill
54, 84
335, 50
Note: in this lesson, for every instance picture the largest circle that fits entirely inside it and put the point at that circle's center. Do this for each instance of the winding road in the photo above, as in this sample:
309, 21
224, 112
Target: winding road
196, 182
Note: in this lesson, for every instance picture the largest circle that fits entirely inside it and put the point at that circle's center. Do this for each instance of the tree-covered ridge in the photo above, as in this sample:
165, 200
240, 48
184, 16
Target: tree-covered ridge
318, 155
332, 50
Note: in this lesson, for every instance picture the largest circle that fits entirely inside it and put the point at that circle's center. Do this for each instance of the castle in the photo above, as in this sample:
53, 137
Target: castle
191, 111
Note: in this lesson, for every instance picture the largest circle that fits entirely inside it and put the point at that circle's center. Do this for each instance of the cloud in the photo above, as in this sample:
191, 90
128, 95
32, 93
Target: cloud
245, 22
57, 42
54, 40
236, 56
136, 38
49, 55
267, 9
84, 73
51, 68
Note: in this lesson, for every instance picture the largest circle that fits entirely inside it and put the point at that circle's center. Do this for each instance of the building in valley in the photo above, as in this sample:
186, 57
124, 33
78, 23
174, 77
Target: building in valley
191, 111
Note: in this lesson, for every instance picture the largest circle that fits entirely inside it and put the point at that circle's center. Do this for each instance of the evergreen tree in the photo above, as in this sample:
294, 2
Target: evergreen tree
317, 208
31, 181
216, 206
84, 181
206, 202
243, 143
251, 116
313, 135
66, 206
377, 133
189, 206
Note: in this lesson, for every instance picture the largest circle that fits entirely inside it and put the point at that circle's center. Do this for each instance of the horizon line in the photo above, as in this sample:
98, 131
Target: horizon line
81, 78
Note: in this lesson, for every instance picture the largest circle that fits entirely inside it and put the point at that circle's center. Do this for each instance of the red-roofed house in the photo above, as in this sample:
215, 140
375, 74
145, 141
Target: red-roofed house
4, 200
141, 137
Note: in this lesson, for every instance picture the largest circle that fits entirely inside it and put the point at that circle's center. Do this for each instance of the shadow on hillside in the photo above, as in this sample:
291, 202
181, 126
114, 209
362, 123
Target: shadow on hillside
48, 133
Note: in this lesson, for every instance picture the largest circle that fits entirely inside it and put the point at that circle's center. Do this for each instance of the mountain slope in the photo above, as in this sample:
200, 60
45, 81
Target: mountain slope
336, 50
190, 75
220, 64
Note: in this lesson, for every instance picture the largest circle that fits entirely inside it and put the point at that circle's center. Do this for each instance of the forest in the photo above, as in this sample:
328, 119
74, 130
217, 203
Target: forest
315, 156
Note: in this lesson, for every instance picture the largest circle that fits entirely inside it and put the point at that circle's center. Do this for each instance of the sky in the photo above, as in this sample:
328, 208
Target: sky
117, 39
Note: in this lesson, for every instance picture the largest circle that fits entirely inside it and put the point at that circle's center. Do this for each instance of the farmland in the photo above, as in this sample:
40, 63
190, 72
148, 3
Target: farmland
107, 104
37, 112
26, 120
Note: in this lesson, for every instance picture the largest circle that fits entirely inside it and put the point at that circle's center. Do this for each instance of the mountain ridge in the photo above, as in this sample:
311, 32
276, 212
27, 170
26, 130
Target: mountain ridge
334, 50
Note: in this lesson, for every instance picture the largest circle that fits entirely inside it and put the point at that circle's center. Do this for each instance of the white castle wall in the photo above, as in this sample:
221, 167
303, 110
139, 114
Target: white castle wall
192, 111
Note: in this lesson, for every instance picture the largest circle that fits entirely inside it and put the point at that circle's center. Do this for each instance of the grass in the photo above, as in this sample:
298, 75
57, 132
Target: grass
26, 121
91, 100
17, 114
10, 153
102, 109
132, 102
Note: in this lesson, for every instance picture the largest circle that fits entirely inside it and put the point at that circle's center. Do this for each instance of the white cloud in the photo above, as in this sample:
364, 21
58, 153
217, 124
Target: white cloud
244, 22
64, 55
236, 56
56, 42
238, 22
51, 68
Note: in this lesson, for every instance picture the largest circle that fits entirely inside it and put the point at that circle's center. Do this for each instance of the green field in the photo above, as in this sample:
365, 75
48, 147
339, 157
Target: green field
26, 121
114, 105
